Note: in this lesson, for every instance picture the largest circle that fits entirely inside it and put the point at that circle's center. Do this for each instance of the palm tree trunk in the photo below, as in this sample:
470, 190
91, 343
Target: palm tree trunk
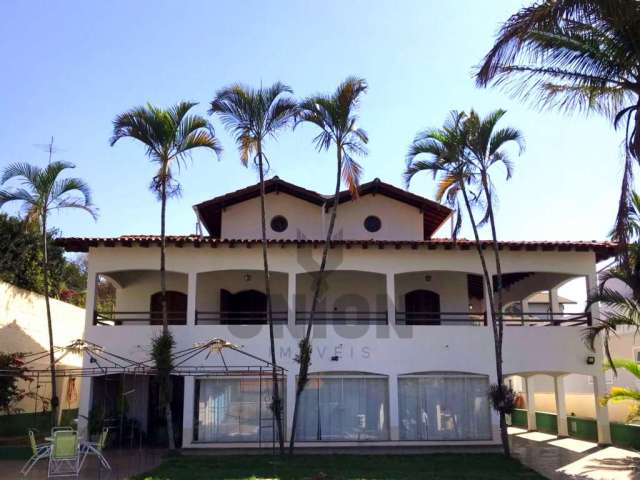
52, 361
277, 402
165, 380
305, 344
499, 320
498, 351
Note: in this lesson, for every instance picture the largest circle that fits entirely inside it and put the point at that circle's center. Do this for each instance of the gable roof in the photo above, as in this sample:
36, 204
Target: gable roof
210, 211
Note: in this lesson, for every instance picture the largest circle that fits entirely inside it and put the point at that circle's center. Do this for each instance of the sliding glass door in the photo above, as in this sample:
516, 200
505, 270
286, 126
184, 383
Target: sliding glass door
234, 410
444, 407
344, 408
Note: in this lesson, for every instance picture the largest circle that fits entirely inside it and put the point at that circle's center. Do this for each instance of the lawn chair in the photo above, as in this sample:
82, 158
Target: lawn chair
60, 429
96, 448
64, 460
38, 452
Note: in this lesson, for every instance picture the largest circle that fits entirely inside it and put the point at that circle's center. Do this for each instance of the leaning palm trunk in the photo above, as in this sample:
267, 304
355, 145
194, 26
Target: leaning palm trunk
305, 343
165, 374
494, 322
52, 361
498, 314
276, 405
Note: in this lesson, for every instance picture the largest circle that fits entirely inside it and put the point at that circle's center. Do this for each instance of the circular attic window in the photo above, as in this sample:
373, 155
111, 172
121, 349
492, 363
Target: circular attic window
372, 224
279, 223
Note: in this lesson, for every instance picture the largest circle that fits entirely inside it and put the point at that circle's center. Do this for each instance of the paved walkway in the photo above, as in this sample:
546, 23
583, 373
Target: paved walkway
124, 463
569, 458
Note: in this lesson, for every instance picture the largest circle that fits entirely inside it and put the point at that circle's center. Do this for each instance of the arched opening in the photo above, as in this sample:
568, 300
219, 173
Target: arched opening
422, 307
237, 297
247, 306
176, 308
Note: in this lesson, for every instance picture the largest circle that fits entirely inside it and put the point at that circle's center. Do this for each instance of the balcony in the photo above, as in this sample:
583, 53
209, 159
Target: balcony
347, 297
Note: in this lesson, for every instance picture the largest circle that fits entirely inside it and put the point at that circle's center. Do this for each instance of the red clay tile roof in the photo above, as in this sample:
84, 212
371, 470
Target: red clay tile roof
210, 211
602, 249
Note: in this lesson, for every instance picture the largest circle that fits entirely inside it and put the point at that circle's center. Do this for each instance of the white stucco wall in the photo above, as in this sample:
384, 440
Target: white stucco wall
385, 349
242, 220
399, 220
306, 220
23, 328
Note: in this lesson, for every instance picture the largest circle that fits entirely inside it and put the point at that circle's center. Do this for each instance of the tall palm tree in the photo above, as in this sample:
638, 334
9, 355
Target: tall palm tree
169, 136
486, 145
252, 115
335, 116
43, 191
451, 162
576, 55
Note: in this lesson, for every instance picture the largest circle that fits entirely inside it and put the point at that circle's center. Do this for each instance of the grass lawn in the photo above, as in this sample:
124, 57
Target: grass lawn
341, 467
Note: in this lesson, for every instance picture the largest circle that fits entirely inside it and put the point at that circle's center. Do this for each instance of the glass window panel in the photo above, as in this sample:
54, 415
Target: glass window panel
453, 407
344, 409
234, 410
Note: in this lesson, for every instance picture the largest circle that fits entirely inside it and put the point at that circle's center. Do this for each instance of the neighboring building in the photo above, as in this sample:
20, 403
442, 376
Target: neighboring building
23, 328
402, 349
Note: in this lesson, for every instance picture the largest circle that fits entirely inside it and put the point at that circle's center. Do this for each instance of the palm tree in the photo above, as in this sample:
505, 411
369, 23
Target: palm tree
620, 304
169, 136
576, 55
253, 115
621, 394
43, 191
450, 160
486, 147
335, 115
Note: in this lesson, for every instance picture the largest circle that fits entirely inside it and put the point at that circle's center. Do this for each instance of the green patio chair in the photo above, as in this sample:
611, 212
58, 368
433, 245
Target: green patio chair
64, 460
96, 448
38, 453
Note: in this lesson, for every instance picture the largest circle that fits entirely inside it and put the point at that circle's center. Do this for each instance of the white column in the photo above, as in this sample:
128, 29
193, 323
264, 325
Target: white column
192, 297
602, 411
592, 284
188, 411
599, 384
531, 403
90, 301
554, 303
291, 299
394, 411
561, 406
391, 298
84, 405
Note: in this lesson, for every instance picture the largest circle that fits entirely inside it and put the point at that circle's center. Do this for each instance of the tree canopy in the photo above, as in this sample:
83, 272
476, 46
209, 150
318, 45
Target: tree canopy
21, 262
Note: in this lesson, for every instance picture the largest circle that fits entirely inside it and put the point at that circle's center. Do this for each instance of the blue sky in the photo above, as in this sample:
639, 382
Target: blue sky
68, 68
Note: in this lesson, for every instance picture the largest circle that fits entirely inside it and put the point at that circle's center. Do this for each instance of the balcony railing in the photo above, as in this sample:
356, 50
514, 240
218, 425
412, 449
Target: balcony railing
440, 318
530, 319
137, 318
239, 318
526, 319
343, 318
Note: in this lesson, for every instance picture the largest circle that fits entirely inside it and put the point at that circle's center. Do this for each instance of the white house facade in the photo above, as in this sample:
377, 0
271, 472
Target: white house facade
402, 343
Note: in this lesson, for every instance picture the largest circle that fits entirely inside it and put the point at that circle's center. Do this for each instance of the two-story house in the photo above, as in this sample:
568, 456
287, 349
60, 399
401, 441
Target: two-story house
402, 343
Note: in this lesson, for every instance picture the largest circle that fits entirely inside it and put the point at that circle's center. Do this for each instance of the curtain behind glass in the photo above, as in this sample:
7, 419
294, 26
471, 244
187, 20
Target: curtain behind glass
233, 410
454, 407
343, 409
